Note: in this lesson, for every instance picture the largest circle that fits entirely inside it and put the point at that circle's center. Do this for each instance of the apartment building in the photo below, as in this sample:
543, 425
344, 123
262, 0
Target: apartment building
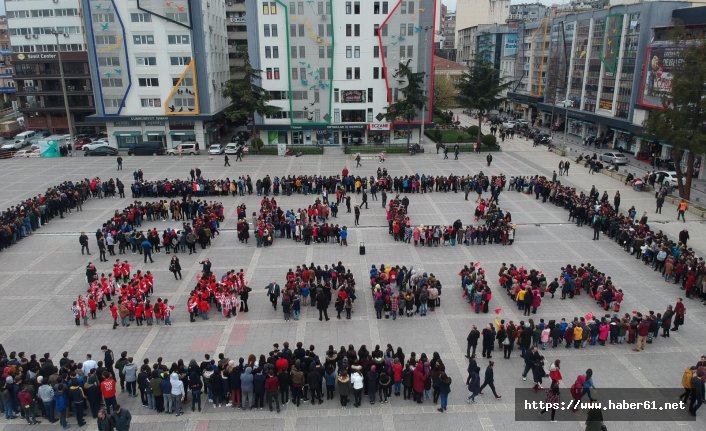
158, 69
236, 23
331, 67
38, 29
7, 82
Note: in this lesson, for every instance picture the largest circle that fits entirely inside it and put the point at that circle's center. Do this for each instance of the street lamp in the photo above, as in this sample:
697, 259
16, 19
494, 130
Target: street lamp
567, 104
56, 32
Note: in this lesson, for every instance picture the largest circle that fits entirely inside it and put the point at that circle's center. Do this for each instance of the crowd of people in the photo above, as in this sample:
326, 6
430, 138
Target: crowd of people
229, 294
401, 292
475, 287
672, 257
20, 220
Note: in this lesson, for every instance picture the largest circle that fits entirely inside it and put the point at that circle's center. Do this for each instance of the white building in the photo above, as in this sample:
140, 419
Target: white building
329, 66
471, 13
159, 69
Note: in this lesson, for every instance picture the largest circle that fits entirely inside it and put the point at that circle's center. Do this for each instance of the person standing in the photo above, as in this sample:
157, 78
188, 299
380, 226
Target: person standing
357, 161
684, 236
175, 267
322, 301
489, 380
343, 387
78, 399
108, 390
225, 159
456, 151
83, 240
61, 404
616, 201
147, 250
566, 167
273, 292
104, 422
444, 390
561, 167
272, 390
356, 211
472, 342
697, 392
683, 206
679, 312
489, 159
357, 384
446, 152
120, 163
473, 385
121, 418
178, 393
552, 399
488, 339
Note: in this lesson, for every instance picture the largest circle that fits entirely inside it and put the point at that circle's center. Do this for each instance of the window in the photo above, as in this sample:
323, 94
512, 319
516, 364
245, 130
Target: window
336, 115
349, 73
108, 61
302, 32
370, 96
181, 17
268, 52
146, 61
356, 30
179, 61
376, 73
105, 40
410, 8
370, 115
142, 39
376, 51
42, 13
322, 52
321, 8
356, 52
300, 8
410, 29
295, 74
186, 82
111, 103
384, 8
266, 30
111, 82
184, 102
274, 30
62, 12
293, 30
410, 49
302, 72
376, 7
322, 73
151, 103
356, 8
178, 39
148, 82
349, 52
348, 8
275, 52
403, 51
403, 7
335, 95
273, 8
140, 17
293, 52
356, 73
376, 29
329, 51
302, 51
103, 17
349, 30
276, 72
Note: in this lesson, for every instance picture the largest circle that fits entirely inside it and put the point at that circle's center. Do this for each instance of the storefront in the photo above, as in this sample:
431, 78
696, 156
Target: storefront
156, 136
127, 139
379, 133
625, 141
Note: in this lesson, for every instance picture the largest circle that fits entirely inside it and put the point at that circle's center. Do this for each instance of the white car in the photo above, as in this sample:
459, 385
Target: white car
507, 125
231, 148
216, 149
614, 158
95, 144
667, 178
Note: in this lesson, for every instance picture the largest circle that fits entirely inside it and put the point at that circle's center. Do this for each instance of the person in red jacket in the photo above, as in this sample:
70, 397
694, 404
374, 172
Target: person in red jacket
397, 370
108, 387
203, 309
643, 329
679, 312
555, 372
114, 313
281, 364
272, 390
418, 380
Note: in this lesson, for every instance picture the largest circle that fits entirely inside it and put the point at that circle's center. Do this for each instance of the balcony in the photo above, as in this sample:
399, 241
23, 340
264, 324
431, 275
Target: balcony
8, 90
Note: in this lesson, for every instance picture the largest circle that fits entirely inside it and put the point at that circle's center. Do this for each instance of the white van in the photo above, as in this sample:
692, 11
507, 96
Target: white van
23, 139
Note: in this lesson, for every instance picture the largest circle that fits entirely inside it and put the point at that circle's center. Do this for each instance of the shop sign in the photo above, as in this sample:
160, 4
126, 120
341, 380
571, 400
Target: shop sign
379, 126
606, 104
353, 96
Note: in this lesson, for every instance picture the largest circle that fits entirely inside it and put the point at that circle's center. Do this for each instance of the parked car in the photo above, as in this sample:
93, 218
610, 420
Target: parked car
80, 142
216, 149
523, 122
507, 125
231, 148
27, 152
148, 148
241, 135
184, 148
101, 151
96, 144
667, 178
20, 140
614, 158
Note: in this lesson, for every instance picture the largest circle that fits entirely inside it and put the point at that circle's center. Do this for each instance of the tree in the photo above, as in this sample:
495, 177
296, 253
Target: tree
444, 93
246, 96
681, 122
412, 98
480, 88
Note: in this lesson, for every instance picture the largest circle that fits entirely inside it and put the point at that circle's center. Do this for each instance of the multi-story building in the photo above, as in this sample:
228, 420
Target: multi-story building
471, 13
159, 69
7, 83
527, 12
591, 71
38, 30
448, 33
491, 40
331, 67
237, 36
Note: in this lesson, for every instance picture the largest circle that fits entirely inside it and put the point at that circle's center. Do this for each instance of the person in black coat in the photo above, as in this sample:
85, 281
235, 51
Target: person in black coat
488, 340
489, 380
259, 388
314, 378
472, 368
530, 359
472, 340
372, 381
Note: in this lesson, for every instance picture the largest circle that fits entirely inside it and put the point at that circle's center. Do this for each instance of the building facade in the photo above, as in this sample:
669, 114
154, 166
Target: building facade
448, 34
7, 82
330, 66
471, 13
588, 69
158, 69
35, 27
527, 12
237, 36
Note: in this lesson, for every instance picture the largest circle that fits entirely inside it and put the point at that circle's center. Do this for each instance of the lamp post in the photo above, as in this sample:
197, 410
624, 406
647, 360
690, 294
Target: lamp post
424, 82
56, 33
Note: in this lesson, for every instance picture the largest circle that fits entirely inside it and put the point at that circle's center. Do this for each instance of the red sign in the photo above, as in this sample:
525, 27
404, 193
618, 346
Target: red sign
379, 126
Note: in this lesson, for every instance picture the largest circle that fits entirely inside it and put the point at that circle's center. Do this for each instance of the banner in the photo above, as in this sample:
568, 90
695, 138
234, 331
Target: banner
660, 64
611, 45
509, 44
49, 148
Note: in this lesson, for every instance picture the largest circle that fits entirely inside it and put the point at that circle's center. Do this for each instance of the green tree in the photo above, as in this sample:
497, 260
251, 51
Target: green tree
444, 93
246, 96
681, 122
412, 98
480, 88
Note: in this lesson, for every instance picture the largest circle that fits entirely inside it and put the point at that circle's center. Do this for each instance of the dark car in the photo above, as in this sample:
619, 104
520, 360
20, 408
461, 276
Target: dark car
240, 136
146, 149
101, 151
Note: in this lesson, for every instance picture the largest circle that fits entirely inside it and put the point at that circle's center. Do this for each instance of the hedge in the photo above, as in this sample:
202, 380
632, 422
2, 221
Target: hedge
271, 150
365, 149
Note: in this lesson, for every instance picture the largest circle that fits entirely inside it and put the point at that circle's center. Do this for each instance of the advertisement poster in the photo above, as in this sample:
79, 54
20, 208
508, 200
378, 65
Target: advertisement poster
49, 148
510, 44
660, 64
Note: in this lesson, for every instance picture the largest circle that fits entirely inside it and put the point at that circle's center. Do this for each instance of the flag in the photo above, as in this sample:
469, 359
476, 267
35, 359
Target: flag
477, 264
589, 316
634, 311
498, 310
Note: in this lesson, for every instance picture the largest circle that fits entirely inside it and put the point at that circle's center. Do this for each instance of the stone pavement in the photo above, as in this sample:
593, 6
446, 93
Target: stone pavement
42, 275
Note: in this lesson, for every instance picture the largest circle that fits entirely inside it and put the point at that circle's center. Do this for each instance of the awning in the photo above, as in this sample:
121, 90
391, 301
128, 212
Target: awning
184, 133
126, 134
154, 133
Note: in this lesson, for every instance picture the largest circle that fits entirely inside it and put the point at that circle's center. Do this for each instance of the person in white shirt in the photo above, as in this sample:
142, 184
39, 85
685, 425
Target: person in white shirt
89, 364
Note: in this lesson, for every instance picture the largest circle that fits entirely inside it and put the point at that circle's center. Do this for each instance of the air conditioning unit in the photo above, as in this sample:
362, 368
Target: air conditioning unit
36, 36
28, 36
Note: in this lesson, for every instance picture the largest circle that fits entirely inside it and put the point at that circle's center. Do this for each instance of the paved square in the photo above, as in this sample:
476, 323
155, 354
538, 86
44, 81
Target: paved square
40, 276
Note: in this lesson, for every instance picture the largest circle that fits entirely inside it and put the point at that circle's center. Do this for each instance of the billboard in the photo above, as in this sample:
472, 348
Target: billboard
49, 148
509, 44
658, 70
